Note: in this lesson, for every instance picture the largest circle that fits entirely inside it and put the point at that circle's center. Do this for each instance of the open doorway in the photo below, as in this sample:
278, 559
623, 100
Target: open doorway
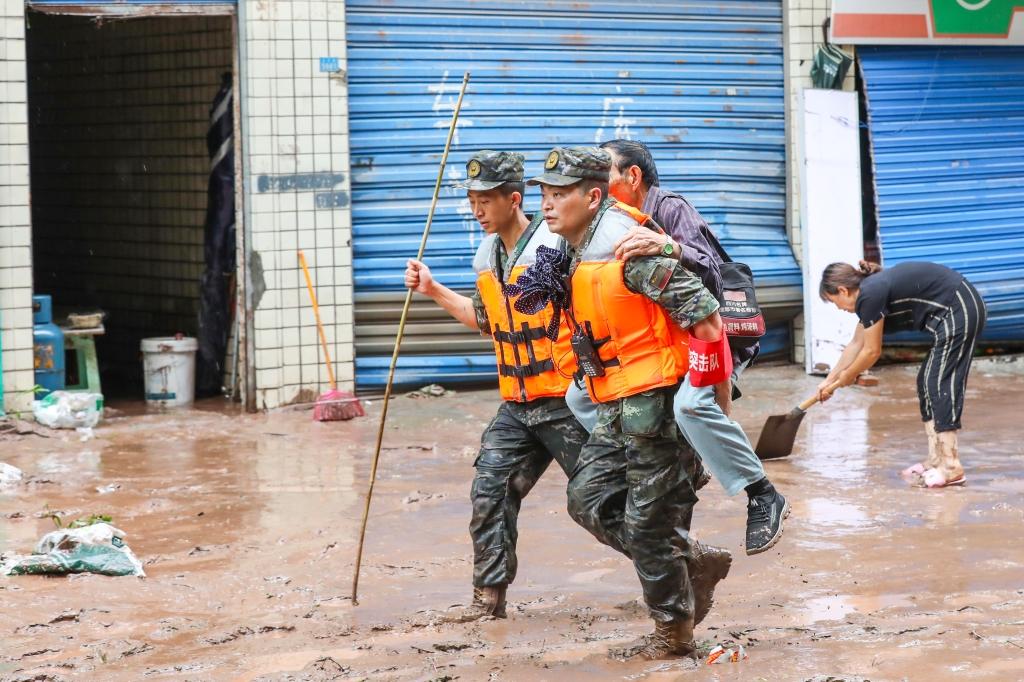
119, 112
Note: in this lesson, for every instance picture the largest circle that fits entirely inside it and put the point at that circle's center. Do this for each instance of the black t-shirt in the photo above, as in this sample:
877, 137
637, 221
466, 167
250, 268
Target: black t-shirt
907, 295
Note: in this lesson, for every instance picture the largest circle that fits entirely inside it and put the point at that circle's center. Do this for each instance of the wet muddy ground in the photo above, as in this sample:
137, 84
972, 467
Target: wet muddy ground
247, 528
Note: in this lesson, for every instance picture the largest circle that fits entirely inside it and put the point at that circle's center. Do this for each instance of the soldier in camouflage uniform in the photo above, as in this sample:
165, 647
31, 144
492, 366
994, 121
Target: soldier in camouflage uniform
637, 427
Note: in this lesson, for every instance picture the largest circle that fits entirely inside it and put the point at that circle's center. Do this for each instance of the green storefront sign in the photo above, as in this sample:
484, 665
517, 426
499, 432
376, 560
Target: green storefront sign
973, 17
928, 22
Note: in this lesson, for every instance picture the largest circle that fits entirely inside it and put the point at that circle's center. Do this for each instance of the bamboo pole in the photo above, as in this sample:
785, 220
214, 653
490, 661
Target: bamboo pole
398, 341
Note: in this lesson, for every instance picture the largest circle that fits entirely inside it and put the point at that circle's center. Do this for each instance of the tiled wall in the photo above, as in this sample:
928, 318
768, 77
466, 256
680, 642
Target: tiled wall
803, 22
119, 116
15, 230
296, 141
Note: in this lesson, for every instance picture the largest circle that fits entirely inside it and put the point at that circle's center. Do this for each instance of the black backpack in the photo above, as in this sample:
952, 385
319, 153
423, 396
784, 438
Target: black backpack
741, 315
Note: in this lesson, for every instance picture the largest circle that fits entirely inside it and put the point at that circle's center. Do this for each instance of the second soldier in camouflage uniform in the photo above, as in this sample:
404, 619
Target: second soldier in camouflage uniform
636, 426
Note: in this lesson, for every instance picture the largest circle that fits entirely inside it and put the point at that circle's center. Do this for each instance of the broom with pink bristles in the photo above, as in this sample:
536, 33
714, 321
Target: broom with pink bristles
334, 405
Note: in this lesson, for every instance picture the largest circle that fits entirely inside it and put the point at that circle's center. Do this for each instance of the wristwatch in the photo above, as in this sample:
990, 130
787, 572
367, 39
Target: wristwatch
668, 249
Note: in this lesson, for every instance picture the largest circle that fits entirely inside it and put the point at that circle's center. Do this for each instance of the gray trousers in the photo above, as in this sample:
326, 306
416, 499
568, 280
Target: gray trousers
719, 440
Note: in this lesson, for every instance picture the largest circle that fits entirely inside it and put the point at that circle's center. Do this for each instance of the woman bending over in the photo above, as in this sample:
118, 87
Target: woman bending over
925, 297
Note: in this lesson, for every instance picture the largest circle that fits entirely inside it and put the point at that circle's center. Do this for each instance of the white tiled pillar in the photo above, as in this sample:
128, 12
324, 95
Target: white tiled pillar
803, 20
15, 220
295, 111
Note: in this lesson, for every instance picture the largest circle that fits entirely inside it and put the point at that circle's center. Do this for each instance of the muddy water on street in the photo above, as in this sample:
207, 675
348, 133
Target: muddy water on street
247, 528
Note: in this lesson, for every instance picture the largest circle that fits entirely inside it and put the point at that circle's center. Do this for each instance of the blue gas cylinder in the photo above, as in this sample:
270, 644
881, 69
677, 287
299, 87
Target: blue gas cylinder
48, 346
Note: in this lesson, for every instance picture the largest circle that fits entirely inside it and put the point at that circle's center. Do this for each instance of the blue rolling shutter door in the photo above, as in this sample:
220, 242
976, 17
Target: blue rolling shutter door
947, 138
701, 84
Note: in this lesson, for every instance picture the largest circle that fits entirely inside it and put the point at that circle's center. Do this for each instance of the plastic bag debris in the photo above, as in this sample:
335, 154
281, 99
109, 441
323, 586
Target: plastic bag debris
720, 655
97, 548
64, 410
9, 475
430, 391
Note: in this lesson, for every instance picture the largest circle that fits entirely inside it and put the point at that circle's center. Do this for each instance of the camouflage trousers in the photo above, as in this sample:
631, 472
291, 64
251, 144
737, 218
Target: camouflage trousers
515, 450
648, 519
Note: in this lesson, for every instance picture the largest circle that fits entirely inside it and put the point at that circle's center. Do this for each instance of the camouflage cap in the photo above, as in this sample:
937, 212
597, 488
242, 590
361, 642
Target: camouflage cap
488, 169
568, 165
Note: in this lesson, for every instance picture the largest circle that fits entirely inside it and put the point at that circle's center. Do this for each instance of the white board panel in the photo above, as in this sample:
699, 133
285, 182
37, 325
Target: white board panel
830, 214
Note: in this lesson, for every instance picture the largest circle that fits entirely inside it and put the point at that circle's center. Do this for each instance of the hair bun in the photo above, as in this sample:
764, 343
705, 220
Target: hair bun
869, 268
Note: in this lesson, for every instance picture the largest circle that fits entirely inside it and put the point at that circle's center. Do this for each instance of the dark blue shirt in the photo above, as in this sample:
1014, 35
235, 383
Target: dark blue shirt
907, 295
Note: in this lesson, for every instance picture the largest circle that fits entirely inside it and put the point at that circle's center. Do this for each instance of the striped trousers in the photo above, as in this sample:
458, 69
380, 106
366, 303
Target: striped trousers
942, 379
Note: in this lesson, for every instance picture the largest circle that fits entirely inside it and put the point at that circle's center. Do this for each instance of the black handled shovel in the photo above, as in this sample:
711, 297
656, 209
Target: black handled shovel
779, 430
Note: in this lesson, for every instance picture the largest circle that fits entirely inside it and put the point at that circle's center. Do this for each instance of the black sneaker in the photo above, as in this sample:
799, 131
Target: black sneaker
765, 514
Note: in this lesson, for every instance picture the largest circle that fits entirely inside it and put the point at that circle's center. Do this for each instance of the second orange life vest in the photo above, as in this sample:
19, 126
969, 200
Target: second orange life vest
530, 365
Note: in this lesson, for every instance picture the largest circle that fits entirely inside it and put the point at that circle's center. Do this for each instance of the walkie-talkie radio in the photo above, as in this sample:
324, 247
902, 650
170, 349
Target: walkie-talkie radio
586, 355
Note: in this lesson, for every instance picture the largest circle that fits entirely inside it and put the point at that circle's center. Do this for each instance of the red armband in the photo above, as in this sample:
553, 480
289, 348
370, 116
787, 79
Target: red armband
710, 362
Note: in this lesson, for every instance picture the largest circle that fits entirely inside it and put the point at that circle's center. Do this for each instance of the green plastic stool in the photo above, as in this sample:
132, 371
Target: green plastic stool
81, 365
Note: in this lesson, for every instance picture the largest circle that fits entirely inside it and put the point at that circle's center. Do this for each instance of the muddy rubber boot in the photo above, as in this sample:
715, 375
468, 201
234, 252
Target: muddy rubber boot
488, 602
669, 640
708, 567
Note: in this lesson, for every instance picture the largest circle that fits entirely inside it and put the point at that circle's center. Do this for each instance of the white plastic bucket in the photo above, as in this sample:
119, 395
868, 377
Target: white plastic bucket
169, 365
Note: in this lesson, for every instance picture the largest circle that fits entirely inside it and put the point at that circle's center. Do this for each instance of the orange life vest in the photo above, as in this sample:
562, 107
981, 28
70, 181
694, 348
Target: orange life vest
640, 346
530, 365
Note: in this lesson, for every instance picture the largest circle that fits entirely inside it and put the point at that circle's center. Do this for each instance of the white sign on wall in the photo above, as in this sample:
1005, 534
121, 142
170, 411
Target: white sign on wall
830, 214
